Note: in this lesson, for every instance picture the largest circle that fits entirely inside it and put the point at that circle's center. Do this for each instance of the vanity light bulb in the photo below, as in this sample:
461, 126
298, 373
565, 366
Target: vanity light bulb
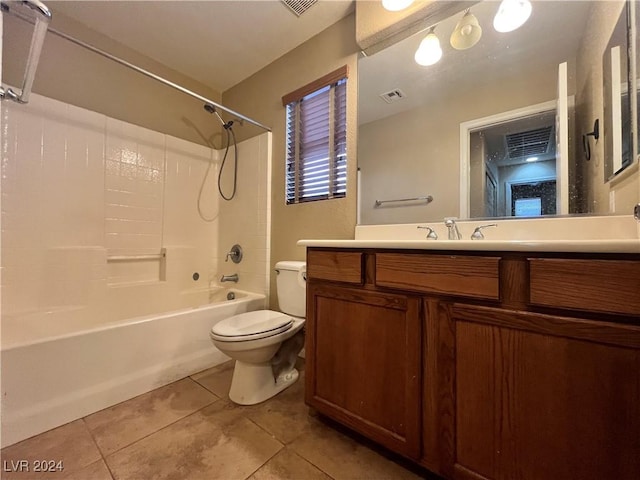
512, 14
429, 51
396, 5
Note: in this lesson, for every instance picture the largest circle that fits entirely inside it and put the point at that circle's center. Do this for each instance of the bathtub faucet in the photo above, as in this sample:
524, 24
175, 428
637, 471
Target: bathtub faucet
230, 278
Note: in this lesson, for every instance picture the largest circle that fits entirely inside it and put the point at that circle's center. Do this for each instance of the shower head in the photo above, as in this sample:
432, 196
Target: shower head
211, 109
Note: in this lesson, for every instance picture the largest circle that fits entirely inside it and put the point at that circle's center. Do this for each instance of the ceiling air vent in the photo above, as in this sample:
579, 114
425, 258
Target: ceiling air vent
531, 142
299, 6
393, 95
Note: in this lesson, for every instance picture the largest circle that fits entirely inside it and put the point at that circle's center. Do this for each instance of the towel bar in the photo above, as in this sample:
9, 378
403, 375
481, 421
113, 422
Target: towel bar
427, 199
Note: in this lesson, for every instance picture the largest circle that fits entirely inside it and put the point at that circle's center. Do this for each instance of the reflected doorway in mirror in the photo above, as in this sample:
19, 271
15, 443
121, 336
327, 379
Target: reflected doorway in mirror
508, 152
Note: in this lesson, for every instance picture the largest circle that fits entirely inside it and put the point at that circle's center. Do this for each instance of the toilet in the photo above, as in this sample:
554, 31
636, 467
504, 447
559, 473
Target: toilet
264, 343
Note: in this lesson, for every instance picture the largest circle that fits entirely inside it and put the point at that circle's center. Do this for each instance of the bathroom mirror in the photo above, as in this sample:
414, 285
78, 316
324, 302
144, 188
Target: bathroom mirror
495, 130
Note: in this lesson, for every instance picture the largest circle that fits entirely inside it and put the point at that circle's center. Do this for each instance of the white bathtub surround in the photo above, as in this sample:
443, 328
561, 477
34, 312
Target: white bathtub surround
54, 381
83, 197
614, 234
80, 188
246, 220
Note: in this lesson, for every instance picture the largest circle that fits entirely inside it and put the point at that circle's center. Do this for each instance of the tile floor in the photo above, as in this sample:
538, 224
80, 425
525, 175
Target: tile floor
190, 430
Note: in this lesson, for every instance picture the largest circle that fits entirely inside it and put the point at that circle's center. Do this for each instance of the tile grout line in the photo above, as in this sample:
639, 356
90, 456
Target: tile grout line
103, 456
203, 387
158, 430
311, 463
264, 430
285, 446
187, 416
265, 462
93, 438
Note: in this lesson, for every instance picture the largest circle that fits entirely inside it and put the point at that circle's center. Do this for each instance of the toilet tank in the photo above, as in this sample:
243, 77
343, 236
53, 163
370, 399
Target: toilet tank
292, 287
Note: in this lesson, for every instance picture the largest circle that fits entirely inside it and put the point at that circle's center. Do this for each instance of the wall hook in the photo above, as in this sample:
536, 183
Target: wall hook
585, 141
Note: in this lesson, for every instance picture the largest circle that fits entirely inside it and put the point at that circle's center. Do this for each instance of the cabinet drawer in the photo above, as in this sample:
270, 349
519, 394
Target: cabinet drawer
468, 276
595, 285
343, 267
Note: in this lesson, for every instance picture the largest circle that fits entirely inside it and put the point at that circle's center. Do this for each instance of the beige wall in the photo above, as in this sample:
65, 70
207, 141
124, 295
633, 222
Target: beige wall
259, 97
589, 106
417, 152
77, 76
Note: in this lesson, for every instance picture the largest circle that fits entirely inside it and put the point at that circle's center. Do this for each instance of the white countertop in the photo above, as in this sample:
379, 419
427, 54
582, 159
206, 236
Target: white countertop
604, 234
595, 246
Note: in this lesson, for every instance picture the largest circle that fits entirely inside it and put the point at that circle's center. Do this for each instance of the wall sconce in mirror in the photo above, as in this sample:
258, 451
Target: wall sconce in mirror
396, 5
467, 32
585, 140
429, 51
512, 14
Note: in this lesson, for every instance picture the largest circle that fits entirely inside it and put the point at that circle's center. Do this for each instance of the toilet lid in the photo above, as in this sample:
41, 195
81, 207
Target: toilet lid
251, 326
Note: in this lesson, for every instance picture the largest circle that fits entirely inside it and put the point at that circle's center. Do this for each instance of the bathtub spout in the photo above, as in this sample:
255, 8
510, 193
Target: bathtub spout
230, 278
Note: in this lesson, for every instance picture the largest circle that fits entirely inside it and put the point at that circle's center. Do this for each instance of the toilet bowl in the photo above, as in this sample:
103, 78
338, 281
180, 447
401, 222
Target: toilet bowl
263, 342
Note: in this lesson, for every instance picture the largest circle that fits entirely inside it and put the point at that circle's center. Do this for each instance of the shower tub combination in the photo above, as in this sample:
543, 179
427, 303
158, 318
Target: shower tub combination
52, 377
55, 380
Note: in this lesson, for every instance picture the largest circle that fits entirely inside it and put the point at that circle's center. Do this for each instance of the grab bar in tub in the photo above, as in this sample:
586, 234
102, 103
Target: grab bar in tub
128, 258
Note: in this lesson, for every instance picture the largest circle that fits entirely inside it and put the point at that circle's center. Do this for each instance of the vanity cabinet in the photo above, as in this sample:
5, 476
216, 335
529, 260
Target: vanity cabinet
542, 396
365, 366
476, 365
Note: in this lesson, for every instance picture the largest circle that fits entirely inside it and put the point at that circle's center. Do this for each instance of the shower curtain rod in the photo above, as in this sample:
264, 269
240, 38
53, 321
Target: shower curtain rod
142, 71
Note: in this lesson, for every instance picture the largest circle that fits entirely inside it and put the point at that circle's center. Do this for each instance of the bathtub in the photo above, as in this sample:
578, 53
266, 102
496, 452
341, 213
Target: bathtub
52, 381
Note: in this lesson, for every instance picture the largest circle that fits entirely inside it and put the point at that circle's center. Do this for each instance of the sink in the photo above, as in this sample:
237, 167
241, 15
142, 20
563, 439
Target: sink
606, 234
555, 228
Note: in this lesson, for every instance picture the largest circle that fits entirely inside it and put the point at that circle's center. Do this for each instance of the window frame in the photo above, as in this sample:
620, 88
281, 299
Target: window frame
334, 85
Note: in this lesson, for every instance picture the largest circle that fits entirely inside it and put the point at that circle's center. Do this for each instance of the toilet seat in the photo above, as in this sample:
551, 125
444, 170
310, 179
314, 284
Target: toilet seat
251, 326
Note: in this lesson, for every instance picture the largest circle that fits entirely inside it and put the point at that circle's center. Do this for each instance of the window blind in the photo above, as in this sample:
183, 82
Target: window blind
316, 145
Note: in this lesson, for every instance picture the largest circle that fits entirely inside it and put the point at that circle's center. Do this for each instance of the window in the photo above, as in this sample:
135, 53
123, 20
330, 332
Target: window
316, 141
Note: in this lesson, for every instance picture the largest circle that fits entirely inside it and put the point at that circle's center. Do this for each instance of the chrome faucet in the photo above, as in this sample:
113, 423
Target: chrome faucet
431, 233
477, 233
230, 278
454, 233
235, 254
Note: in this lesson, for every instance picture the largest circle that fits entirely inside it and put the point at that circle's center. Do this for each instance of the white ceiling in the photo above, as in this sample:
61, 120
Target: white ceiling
216, 42
496, 142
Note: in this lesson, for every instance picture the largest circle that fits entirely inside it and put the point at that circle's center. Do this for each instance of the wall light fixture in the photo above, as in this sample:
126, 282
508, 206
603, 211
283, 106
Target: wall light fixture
429, 51
512, 14
396, 5
467, 32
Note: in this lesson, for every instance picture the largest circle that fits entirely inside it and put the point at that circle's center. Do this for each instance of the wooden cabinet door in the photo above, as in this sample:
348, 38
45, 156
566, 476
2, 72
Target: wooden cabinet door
544, 397
363, 363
